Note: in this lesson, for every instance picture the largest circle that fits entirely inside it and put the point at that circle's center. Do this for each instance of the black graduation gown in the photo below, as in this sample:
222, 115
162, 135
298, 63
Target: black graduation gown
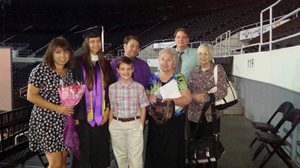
94, 141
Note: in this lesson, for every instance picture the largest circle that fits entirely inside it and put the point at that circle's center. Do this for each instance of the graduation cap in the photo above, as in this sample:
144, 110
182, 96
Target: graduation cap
91, 33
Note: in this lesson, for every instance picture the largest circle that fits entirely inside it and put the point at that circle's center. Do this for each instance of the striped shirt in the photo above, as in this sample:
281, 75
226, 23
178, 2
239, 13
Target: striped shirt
127, 99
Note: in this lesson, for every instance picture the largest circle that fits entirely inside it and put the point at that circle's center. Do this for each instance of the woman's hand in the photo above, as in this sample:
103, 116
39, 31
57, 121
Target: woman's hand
166, 100
199, 97
65, 110
152, 99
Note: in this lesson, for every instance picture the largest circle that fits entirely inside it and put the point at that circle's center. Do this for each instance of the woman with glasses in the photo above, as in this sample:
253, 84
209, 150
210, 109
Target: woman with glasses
200, 83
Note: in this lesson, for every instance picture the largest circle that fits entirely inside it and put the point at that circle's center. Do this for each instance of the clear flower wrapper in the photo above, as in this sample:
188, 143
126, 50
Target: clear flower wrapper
70, 96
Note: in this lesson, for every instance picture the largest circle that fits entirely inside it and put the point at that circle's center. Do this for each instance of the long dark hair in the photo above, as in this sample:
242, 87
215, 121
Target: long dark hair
53, 45
90, 70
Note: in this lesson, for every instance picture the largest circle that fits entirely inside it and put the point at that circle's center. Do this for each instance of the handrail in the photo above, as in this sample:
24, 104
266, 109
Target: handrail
285, 38
13, 45
156, 41
265, 43
253, 24
12, 36
225, 37
271, 41
296, 11
270, 8
13, 125
19, 135
243, 47
18, 109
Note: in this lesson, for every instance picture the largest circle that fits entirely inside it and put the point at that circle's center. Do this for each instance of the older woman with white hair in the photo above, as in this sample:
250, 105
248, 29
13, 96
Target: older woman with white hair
166, 146
200, 82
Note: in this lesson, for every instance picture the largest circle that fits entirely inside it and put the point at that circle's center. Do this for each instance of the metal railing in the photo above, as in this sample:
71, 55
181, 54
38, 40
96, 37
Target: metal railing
270, 42
222, 44
13, 140
254, 25
156, 41
13, 123
270, 8
23, 91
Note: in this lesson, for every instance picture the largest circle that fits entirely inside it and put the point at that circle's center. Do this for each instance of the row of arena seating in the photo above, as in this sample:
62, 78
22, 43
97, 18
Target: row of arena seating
289, 28
203, 25
20, 75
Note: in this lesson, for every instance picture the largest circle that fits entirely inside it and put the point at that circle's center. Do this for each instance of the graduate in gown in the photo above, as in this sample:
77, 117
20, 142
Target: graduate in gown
91, 114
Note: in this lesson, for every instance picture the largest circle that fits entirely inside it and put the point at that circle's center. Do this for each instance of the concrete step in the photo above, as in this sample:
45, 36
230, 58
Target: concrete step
234, 110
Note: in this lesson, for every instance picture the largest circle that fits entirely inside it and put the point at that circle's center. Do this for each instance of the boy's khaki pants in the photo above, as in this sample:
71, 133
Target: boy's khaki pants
127, 143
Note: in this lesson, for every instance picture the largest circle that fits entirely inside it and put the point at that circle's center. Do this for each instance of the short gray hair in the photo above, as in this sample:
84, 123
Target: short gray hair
207, 46
170, 51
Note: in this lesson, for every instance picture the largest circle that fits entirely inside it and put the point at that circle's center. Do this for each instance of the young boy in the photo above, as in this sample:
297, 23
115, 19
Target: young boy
127, 101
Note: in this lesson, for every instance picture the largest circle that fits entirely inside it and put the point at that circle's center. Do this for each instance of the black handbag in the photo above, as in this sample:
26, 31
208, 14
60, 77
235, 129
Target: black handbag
161, 112
209, 148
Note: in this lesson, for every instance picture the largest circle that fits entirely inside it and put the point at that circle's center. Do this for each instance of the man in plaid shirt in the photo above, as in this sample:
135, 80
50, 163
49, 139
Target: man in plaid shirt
128, 103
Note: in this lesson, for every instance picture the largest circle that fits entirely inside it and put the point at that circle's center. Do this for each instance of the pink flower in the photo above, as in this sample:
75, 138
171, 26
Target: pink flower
71, 95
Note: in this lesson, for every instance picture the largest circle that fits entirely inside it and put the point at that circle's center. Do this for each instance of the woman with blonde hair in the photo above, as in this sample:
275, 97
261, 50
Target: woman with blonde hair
166, 146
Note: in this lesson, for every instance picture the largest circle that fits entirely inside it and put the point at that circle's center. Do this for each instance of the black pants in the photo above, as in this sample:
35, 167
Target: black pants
203, 130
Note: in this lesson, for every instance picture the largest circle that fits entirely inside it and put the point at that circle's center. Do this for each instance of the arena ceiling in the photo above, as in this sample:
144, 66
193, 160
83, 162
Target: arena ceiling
112, 6
35, 11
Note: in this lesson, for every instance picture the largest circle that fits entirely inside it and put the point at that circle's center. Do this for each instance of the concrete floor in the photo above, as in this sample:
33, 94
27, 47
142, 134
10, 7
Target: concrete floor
236, 135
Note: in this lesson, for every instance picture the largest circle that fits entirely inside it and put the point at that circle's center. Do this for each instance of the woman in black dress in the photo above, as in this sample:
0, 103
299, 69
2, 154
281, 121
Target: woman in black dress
91, 113
47, 119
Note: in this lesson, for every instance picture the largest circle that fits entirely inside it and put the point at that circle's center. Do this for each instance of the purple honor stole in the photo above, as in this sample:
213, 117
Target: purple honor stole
94, 99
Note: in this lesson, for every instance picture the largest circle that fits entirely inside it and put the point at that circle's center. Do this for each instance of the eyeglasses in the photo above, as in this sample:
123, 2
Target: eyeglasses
206, 54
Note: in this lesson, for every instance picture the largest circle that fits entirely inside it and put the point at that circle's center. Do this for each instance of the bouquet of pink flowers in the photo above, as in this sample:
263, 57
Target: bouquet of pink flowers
70, 96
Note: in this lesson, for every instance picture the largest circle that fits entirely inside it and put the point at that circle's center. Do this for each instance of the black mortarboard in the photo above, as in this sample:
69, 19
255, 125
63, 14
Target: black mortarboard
91, 33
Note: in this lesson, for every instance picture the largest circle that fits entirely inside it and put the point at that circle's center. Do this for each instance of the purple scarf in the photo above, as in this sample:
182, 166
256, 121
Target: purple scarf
94, 110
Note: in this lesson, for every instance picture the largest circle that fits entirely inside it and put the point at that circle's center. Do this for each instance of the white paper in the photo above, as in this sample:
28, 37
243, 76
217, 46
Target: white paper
170, 90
